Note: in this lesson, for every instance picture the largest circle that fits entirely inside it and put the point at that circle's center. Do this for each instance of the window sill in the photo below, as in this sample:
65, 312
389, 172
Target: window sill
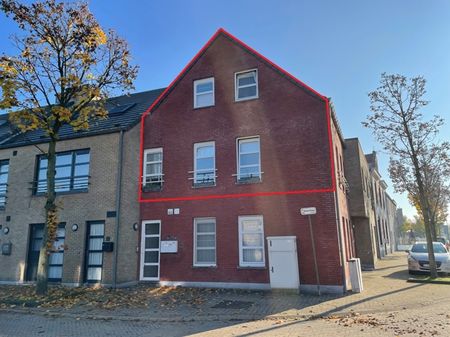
203, 267
238, 100
203, 107
203, 185
151, 189
252, 267
249, 181
61, 193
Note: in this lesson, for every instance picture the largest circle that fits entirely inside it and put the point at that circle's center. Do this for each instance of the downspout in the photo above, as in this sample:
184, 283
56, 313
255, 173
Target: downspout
118, 203
340, 240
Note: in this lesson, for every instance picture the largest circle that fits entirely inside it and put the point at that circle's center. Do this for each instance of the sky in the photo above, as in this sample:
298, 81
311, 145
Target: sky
340, 48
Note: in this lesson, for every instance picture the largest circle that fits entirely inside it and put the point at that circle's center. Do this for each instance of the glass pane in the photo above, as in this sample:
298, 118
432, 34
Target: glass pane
156, 156
206, 241
206, 256
204, 100
151, 243
42, 175
94, 273
205, 177
247, 92
61, 232
205, 86
62, 185
63, 172
249, 159
205, 151
3, 178
2, 201
206, 227
82, 170
252, 226
95, 258
247, 172
151, 228
205, 163
95, 244
82, 158
80, 183
151, 257
247, 78
64, 159
252, 240
97, 229
150, 271
58, 244
253, 255
250, 146
43, 163
56, 258
154, 168
37, 245
54, 272
4, 168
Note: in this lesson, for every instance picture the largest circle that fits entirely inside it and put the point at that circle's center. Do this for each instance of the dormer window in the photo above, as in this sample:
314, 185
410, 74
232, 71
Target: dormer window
204, 93
246, 85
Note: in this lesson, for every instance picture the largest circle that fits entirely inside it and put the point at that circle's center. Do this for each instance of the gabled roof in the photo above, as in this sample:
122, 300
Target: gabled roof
245, 47
137, 104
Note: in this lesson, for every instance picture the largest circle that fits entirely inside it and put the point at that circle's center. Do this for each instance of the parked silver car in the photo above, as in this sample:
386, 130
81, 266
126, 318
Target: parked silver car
418, 261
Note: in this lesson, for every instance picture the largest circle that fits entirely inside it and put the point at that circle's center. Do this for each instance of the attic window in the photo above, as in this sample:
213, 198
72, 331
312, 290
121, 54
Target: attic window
121, 108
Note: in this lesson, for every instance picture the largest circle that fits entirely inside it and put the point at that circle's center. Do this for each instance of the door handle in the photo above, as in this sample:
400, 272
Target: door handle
271, 269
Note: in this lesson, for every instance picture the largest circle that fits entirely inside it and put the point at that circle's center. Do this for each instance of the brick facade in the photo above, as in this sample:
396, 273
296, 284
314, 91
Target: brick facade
293, 125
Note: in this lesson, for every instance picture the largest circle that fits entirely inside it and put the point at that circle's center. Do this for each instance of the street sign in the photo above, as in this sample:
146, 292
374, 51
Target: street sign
308, 211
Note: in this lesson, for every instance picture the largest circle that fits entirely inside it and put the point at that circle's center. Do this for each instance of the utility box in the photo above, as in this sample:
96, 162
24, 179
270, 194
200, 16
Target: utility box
6, 248
356, 275
108, 246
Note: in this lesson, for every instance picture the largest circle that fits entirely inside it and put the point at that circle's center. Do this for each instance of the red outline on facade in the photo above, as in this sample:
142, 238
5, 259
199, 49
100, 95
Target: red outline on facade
237, 195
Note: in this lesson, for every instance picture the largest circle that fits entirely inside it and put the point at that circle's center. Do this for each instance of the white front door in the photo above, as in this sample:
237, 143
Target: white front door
150, 243
283, 262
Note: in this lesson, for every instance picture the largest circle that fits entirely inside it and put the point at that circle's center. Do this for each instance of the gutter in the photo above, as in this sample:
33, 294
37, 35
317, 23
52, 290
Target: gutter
118, 203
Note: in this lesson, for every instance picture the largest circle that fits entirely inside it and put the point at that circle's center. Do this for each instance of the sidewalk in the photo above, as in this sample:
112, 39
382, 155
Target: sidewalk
386, 290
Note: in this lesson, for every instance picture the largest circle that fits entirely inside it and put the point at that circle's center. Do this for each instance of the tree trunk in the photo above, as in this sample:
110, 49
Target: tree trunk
51, 223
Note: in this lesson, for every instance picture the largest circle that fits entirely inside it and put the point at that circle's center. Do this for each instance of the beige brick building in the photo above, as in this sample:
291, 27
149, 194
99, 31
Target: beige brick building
97, 184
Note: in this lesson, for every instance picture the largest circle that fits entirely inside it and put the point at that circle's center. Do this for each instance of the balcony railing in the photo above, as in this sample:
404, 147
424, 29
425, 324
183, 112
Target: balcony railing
203, 177
62, 185
3, 192
152, 182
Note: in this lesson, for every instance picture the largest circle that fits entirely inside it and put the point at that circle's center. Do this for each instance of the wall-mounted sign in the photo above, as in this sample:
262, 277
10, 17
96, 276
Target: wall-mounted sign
308, 211
169, 246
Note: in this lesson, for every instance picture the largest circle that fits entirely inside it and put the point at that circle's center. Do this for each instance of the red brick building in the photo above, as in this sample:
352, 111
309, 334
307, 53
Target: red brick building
231, 152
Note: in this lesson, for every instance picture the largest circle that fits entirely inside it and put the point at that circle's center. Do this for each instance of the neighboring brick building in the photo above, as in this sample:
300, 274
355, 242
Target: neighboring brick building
94, 201
232, 151
362, 205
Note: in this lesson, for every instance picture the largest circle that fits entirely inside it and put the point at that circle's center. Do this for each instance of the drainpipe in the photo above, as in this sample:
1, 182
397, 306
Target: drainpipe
118, 202
340, 239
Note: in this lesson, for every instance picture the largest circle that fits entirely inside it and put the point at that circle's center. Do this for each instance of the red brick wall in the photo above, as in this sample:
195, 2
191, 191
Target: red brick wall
292, 125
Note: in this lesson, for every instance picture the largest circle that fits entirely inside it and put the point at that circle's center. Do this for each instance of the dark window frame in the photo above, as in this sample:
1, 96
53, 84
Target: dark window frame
88, 250
42, 189
4, 186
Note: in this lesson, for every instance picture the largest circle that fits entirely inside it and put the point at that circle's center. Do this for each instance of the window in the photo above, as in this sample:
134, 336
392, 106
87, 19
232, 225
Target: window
205, 242
153, 176
204, 164
4, 168
251, 241
246, 85
56, 258
72, 172
204, 92
249, 160
94, 251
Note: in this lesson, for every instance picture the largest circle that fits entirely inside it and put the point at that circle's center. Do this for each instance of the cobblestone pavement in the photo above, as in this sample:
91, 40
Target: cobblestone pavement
389, 306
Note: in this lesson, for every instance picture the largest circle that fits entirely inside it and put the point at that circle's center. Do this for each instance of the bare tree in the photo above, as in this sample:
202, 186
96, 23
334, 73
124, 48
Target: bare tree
65, 68
398, 124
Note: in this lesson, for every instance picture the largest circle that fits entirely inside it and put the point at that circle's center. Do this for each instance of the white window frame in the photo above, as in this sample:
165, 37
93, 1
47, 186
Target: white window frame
238, 155
144, 173
196, 94
237, 87
205, 264
241, 219
196, 171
